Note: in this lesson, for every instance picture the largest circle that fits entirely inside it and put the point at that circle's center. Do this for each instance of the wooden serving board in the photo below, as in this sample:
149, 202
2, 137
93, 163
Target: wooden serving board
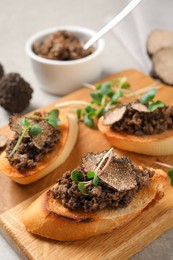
119, 244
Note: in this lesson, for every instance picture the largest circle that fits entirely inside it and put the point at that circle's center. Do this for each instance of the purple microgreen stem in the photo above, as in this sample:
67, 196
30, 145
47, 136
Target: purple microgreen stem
107, 163
103, 159
164, 164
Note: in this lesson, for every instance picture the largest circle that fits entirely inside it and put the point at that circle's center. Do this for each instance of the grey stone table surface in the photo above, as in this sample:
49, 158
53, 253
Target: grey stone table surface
19, 20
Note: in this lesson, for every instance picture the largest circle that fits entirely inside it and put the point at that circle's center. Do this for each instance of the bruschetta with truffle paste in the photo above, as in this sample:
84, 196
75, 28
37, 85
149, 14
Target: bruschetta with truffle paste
41, 142
141, 126
103, 193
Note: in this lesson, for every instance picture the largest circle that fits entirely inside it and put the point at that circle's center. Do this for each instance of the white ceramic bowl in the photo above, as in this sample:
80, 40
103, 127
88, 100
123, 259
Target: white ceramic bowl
63, 77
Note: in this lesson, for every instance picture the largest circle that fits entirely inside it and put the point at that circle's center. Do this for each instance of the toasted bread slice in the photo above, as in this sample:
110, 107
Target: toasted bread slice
58, 222
68, 137
160, 144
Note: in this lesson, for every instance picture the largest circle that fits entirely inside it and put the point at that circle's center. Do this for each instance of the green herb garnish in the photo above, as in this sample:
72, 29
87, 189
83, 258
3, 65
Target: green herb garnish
156, 105
105, 96
82, 188
95, 180
36, 129
25, 122
77, 176
90, 175
148, 98
52, 118
170, 174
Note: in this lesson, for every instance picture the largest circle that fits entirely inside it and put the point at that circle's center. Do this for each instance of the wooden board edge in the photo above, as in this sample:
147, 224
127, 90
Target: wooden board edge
13, 242
146, 237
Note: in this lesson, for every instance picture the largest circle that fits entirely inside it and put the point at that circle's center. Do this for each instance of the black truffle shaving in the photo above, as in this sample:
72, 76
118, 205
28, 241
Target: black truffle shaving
91, 160
140, 107
114, 115
15, 123
120, 174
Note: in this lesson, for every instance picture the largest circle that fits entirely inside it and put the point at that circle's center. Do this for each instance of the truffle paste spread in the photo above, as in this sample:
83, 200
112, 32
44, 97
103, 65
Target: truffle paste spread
117, 185
135, 118
61, 45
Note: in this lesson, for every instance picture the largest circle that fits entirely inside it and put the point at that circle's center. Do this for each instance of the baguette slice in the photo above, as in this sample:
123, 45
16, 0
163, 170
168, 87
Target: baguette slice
47, 217
160, 144
68, 137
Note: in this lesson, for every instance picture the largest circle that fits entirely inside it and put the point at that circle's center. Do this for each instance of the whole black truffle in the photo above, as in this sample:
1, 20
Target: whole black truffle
1, 71
15, 93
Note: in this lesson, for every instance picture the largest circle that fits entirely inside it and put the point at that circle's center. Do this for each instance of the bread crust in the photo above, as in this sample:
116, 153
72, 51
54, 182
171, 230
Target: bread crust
158, 144
68, 137
59, 223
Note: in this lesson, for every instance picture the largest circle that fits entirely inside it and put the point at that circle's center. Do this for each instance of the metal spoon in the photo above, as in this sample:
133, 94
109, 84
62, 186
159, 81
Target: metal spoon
127, 9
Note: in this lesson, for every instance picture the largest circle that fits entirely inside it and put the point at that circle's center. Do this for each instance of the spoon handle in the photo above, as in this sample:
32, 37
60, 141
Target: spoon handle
127, 9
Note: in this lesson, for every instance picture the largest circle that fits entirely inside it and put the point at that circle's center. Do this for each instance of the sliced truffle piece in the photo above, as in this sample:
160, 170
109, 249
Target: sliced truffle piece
159, 39
163, 65
15, 93
139, 107
3, 141
1, 71
120, 174
91, 160
15, 123
113, 116
48, 131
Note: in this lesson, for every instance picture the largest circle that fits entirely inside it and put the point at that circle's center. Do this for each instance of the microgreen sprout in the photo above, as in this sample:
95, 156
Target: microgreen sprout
170, 174
148, 98
106, 96
93, 176
52, 118
76, 176
36, 129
